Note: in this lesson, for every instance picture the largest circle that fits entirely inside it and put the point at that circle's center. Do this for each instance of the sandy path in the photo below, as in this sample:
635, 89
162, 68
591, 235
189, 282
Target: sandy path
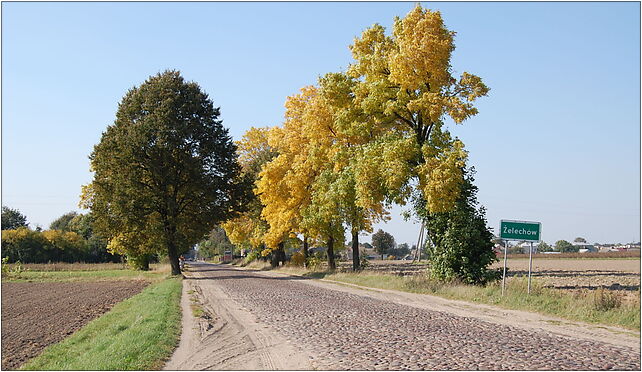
227, 336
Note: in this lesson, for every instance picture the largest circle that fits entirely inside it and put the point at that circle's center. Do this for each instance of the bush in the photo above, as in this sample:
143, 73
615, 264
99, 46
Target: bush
8, 271
314, 262
297, 259
605, 300
29, 246
364, 263
463, 248
250, 257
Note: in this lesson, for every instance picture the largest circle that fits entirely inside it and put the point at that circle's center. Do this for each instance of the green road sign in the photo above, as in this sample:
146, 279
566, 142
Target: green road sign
520, 230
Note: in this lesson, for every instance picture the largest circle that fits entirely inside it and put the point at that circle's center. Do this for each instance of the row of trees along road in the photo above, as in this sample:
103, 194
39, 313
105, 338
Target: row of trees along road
363, 139
166, 172
70, 238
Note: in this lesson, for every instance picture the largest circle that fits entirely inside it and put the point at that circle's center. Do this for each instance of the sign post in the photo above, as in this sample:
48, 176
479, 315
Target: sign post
521, 231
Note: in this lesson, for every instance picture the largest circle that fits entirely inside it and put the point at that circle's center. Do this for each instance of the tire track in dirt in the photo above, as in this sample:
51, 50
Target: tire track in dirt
227, 336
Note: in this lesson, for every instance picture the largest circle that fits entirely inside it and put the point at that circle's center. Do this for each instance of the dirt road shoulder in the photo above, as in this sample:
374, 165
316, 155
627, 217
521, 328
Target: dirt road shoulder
218, 334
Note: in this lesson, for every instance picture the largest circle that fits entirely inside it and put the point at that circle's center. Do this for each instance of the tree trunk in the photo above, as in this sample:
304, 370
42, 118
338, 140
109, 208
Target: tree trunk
331, 264
305, 251
281, 253
172, 252
278, 255
356, 262
144, 262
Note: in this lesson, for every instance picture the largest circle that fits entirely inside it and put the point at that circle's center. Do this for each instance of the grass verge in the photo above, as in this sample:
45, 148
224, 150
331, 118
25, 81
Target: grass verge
97, 273
139, 333
578, 306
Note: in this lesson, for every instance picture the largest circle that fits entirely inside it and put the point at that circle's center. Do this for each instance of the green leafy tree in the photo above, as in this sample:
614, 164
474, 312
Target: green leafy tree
62, 222
463, 247
215, 244
13, 219
82, 224
564, 246
383, 242
165, 173
400, 251
579, 240
543, 247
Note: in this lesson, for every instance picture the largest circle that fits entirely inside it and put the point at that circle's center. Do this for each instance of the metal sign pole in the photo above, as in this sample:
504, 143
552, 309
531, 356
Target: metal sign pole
504, 276
530, 267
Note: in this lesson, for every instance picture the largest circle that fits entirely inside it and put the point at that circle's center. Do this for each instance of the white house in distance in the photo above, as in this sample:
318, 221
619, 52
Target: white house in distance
526, 246
584, 247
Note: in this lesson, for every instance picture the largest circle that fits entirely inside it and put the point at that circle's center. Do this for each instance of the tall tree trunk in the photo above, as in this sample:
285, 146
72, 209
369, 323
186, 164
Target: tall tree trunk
305, 251
172, 252
274, 259
331, 264
356, 263
278, 255
282, 257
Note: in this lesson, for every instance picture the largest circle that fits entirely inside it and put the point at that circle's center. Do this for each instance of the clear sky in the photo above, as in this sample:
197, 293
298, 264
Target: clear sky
556, 141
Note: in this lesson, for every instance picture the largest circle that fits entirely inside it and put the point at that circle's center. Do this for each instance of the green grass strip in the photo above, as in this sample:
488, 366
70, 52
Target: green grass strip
73, 276
139, 333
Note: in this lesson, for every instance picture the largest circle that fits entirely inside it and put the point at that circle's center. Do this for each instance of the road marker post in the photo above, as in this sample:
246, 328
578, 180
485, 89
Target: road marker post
504, 276
530, 267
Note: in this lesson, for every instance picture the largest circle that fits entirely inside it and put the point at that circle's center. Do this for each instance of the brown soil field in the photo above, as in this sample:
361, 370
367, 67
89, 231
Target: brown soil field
577, 274
35, 315
561, 273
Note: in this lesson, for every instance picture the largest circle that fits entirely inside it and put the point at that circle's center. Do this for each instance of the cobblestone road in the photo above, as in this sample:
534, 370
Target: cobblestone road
346, 331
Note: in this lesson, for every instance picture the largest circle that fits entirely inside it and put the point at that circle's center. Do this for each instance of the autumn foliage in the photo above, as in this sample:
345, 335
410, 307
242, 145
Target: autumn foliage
360, 140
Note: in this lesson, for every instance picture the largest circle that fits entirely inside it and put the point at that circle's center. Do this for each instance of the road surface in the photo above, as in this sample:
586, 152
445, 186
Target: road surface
259, 320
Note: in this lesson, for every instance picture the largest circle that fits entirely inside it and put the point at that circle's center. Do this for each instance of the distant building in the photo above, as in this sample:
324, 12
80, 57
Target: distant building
527, 245
585, 247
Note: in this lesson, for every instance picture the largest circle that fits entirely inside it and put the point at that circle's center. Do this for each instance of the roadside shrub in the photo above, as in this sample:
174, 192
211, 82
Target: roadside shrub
9, 271
314, 262
250, 257
604, 300
5, 266
297, 259
139, 262
462, 243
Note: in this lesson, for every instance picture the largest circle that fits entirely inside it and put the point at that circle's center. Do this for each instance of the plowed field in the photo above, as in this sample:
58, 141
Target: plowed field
35, 315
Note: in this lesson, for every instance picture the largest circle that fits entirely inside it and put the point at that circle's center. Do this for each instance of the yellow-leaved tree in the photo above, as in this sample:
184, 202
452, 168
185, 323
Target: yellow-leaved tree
284, 185
248, 229
404, 83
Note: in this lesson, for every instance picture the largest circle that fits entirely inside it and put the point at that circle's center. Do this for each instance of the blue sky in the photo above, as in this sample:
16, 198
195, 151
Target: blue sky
556, 141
